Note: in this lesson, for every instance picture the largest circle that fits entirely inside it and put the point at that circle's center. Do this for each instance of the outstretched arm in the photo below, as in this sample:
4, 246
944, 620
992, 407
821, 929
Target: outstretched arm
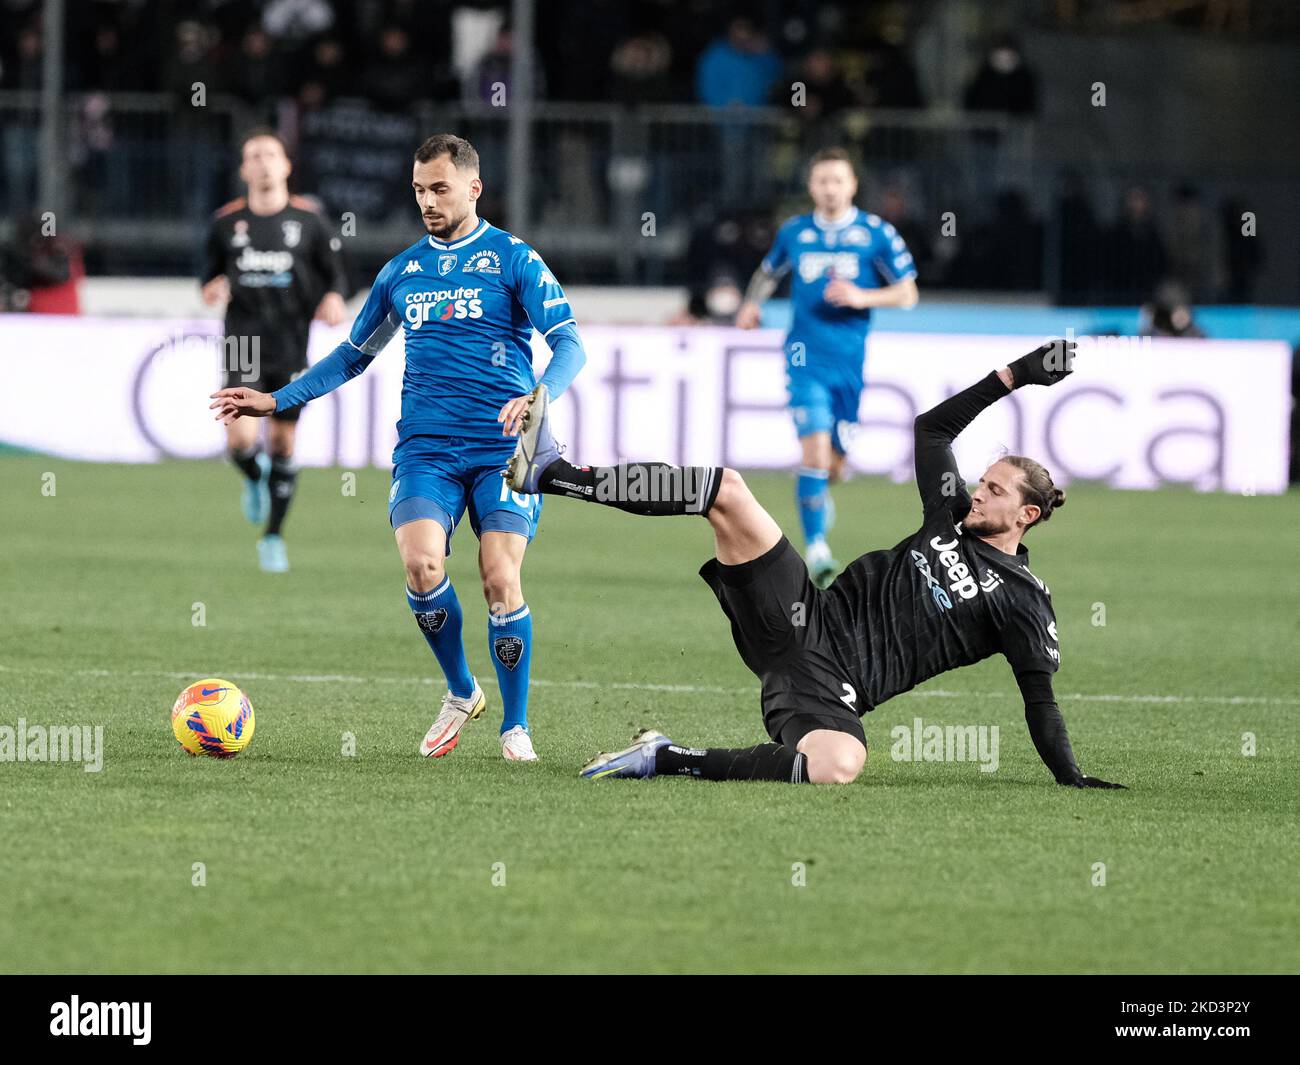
937, 477
340, 365
1047, 729
375, 326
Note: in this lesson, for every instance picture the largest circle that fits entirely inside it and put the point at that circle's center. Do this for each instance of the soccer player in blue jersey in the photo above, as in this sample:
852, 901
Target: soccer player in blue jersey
467, 297
843, 263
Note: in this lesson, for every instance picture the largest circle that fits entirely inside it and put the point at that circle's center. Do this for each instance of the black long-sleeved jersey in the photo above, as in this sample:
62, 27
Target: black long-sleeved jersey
280, 266
943, 598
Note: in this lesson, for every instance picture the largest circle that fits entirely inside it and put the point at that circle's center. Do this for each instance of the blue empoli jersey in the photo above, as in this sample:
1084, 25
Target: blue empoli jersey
860, 248
467, 310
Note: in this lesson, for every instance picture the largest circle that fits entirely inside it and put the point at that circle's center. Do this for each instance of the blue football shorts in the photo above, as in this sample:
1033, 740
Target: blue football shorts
821, 407
441, 477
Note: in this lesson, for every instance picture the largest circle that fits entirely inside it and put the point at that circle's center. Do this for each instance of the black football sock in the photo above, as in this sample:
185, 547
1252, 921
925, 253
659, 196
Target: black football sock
767, 761
282, 482
246, 462
647, 488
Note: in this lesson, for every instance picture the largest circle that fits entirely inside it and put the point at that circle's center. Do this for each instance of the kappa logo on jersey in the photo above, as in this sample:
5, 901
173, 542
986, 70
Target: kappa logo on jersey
433, 620
446, 264
508, 649
292, 230
485, 261
412, 266
1052, 651
443, 305
814, 264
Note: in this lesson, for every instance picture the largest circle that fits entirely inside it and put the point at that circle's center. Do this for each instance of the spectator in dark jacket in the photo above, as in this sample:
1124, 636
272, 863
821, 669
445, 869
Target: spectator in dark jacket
1004, 81
1136, 255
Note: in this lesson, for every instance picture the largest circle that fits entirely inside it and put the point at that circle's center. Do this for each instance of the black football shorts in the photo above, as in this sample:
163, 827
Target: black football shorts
779, 623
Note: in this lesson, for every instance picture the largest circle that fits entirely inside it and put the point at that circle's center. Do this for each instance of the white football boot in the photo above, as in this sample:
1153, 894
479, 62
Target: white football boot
444, 733
517, 745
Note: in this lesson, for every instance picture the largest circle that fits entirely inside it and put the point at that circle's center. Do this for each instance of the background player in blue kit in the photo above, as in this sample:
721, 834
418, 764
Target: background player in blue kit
843, 262
468, 297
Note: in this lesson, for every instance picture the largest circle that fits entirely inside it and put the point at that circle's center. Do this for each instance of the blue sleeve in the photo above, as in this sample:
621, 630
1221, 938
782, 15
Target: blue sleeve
567, 358
704, 78
378, 322
778, 258
890, 256
338, 367
538, 293
373, 329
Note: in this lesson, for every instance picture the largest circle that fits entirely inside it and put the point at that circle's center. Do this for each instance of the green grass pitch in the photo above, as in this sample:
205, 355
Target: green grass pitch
386, 862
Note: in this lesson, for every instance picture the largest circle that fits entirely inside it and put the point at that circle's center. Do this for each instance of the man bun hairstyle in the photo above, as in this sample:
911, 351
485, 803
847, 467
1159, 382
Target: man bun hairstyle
458, 149
1037, 487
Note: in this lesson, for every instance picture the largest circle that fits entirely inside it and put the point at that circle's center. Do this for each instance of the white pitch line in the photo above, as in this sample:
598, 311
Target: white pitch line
683, 689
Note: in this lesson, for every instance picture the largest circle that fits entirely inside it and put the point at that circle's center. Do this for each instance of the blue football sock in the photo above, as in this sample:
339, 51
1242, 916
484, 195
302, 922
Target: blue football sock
812, 488
439, 617
510, 643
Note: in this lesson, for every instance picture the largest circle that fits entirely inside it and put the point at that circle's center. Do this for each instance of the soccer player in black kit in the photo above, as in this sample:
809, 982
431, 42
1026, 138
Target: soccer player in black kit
272, 257
956, 591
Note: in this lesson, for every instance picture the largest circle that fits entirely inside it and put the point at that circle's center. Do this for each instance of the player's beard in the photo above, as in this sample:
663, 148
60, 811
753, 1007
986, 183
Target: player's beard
983, 525
448, 227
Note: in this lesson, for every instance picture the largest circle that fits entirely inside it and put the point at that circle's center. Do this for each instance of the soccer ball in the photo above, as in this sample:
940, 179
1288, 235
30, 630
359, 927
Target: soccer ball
213, 717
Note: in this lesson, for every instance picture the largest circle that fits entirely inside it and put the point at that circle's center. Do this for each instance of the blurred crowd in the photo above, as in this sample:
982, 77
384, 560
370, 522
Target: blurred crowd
396, 52
344, 80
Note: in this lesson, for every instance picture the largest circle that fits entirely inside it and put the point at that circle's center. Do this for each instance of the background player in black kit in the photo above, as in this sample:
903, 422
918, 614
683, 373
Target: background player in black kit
272, 257
956, 591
